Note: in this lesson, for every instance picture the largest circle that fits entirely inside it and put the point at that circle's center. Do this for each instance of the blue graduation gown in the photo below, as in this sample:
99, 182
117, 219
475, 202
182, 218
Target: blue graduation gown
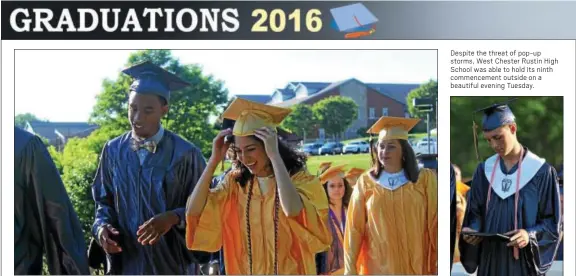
44, 218
539, 213
127, 194
452, 214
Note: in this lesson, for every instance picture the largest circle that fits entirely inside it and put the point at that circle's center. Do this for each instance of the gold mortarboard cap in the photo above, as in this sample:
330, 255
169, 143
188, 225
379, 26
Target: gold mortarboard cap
331, 172
354, 172
250, 116
323, 166
390, 128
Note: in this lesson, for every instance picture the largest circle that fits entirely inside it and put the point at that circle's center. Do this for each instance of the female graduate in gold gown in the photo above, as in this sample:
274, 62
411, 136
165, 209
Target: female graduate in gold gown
392, 215
269, 214
338, 191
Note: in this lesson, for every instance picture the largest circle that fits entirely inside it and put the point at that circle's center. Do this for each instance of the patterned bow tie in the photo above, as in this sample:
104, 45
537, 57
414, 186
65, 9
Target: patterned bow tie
147, 145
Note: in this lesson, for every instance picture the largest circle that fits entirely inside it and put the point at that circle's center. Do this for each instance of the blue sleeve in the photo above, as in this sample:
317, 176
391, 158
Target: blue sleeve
546, 235
102, 193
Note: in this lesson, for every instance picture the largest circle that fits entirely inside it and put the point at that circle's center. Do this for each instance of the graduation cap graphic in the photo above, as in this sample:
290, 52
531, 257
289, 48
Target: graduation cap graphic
355, 20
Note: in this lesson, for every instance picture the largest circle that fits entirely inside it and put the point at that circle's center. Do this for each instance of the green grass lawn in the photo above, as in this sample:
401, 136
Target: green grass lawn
361, 161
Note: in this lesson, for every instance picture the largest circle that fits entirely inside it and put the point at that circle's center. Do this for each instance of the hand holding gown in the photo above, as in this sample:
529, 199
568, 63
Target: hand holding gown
392, 231
538, 212
44, 218
128, 193
223, 223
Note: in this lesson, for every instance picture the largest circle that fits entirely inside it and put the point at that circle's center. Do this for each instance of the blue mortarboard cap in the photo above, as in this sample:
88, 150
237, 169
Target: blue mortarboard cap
153, 80
429, 161
353, 18
497, 115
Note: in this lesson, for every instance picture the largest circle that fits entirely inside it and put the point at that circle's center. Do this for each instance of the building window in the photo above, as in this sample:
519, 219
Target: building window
384, 111
372, 115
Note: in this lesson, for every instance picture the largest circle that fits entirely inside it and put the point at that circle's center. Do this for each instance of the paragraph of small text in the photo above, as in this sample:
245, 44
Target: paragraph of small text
506, 69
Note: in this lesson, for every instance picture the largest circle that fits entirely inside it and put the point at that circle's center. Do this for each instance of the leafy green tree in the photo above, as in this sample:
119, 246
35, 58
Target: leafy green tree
335, 114
540, 128
426, 90
190, 107
302, 121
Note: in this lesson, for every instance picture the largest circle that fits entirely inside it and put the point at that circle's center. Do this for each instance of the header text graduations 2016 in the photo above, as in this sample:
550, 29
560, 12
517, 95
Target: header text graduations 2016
498, 69
112, 20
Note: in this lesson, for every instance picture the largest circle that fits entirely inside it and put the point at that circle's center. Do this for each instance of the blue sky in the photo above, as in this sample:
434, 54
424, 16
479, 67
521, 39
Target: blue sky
46, 79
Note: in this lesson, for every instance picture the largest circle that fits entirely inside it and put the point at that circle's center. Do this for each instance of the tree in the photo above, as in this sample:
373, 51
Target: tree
540, 128
426, 90
301, 121
21, 119
335, 114
190, 107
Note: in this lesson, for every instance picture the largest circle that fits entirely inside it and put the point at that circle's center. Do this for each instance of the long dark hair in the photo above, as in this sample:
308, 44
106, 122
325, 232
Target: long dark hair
347, 192
293, 160
409, 163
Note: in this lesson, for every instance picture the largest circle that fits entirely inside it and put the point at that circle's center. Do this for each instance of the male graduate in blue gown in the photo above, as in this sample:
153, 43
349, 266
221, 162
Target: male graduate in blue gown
142, 183
514, 193
452, 214
44, 219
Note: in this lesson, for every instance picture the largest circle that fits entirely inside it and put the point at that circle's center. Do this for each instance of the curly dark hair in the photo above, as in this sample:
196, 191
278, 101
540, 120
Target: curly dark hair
409, 162
347, 192
295, 161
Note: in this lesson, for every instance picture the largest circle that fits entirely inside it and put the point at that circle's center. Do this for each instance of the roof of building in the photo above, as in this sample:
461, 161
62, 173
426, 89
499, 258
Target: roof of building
68, 129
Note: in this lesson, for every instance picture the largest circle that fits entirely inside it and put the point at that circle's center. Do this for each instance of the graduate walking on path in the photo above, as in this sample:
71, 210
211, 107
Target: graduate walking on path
268, 214
44, 218
392, 219
514, 193
142, 183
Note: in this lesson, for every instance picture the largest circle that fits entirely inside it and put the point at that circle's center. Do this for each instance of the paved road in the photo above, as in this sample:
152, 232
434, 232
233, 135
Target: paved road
556, 270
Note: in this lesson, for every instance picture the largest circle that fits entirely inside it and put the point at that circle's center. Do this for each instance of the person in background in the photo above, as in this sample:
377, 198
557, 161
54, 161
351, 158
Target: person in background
268, 214
353, 174
142, 183
392, 221
44, 218
338, 192
461, 190
322, 257
515, 193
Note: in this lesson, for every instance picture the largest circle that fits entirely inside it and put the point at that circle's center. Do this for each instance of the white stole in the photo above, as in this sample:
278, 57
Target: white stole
392, 181
505, 185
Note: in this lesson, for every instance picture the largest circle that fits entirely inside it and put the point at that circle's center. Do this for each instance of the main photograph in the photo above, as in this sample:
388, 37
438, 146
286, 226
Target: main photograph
226, 162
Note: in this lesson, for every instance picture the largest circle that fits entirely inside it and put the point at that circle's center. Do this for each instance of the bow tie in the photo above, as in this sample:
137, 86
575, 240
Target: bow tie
147, 145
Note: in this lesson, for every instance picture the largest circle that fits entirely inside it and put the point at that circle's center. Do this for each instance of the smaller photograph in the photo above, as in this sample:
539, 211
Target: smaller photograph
506, 185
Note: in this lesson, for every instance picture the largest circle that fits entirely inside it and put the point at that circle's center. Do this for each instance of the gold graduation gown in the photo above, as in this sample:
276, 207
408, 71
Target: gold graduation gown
392, 232
223, 224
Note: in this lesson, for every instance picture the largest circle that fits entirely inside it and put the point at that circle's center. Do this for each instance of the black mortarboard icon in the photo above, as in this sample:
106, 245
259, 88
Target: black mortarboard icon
494, 116
153, 80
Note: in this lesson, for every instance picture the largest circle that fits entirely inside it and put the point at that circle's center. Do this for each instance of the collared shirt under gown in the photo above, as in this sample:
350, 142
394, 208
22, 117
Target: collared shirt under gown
223, 224
392, 232
127, 194
44, 218
538, 213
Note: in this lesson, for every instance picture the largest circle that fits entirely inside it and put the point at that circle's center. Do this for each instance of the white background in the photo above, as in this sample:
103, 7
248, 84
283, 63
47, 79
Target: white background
561, 84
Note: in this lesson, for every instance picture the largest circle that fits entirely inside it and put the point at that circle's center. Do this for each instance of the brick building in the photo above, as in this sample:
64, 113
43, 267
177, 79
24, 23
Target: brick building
373, 100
